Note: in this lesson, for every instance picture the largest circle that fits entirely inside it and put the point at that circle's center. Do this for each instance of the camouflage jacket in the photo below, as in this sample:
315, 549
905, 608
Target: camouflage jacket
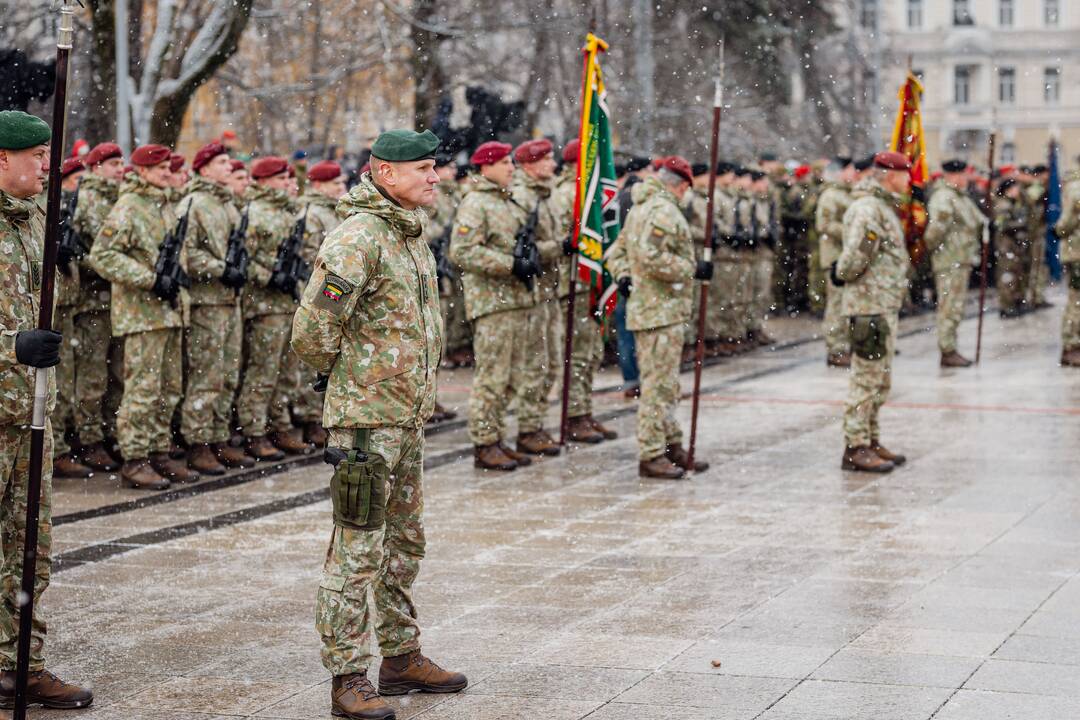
1010, 218
829, 221
661, 258
322, 217
96, 198
765, 225
1035, 195
694, 206
482, 245
529, 193
125, 252
22, 235
724, 224
441, 214
270, 220
67, 286
874, 260
370, 315
213, 217
953, 229
562, 201
1068, 225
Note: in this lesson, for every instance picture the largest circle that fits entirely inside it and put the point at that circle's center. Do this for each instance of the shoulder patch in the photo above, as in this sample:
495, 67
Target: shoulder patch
463, 230
871, 235
659, 231
334, 294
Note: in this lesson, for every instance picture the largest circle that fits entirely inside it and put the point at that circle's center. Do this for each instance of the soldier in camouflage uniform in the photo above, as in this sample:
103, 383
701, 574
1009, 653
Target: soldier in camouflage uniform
267, 316
660, 255
498, 300
1068, 229
872, 269
953, 233
125, 253
1038, 272
724, 323
829, 221
98, 374
694, 205
24, 163
215, 314
437, 235
1012, 247
370, 321
765, 228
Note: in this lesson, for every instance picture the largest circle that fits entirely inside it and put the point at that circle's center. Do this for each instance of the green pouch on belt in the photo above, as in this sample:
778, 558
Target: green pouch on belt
1074, 275
358, 487
869, 335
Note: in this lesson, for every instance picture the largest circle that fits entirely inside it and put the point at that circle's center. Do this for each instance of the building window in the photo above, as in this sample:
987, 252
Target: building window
914, 13
1006, 13
1051, 12
962, 85
868, 12
1008, 153
1051, 85
1007, 85
961, 13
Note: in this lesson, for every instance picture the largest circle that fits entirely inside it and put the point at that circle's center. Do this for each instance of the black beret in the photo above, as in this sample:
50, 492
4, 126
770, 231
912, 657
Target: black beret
1039, 169
741, 171
864, 163
954, 165
767, 157
637, 163
620, 169
1005, 185
724, 167
756, 175
405, 145
842, 160
1026, 169
699, 169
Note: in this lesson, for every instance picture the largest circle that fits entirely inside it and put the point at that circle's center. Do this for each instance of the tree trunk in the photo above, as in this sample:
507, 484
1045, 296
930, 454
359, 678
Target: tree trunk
102, 96
641, 13
429, 80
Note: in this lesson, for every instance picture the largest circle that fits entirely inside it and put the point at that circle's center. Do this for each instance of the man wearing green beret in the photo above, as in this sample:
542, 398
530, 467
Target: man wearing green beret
24, 166
370, 322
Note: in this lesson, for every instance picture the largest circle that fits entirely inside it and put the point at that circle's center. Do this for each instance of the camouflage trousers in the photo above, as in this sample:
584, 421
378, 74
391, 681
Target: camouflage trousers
384, 562
206, 411
1038, 272
761, 282
868, 389
585, 357
1011, 265
265, 340
99, 376
63, 415
1070, 323
231, 358
14, 476
459, 332
658, 353
837, 337
729, 296
152, 389
691, 325
542, 365
951, 285
500, 343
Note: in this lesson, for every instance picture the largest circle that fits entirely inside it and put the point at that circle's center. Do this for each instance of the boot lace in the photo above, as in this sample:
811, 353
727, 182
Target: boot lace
360, 685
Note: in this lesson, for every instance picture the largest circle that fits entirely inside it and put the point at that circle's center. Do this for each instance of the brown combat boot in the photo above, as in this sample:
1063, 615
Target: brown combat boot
678, 456
232, 457
446, 412
66, 466
45, 689
841, 359
520, 458
315, 433
176, 451
261, 448
406, 673
201, 459
579, 429
885, 454
631, 393
760, 337
1071, 358
287, 443
353, 696
599, 427
139, 474
96, 457
864, 459
492, 457
174, 470
660, 467
954, 359
537, 443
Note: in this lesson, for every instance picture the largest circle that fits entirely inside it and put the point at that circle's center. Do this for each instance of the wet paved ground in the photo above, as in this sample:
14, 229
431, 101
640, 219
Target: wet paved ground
773, 586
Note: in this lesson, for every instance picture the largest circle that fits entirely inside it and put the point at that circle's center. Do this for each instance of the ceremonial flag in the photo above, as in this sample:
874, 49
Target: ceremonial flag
908, 138
596, 208
1053, 212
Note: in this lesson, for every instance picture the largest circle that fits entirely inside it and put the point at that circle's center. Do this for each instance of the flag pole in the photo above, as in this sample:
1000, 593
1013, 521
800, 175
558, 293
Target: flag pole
987, 236
41, 376
707, 255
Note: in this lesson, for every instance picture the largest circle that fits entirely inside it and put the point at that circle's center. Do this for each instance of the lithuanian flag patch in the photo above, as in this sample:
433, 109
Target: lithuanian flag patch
335, 290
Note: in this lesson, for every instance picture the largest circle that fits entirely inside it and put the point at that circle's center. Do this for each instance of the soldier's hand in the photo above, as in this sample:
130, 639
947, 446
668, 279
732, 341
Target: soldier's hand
38, 348
626, 286
834, 277
704, 270
524, 269
165, 288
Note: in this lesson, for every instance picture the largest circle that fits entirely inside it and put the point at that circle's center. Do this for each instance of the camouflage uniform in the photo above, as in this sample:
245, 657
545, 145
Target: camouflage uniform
97, 370
267, 315
125, 252
370, 320
724, 319
763, 262
746, 232
829, 221
873, 265
1068, 229
953, 233
451, 289
1013, 251
22, 230
661, 257
1038, 272
482, 245
67, 296
214, 311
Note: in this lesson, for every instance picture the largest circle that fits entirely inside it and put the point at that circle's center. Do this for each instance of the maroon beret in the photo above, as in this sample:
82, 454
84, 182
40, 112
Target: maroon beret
71, 165
490, 153
268, 167
532, 150
102, 152
292, 171
238, 165
207, 153
365, 168
678, 165
150, 155
571, 151
892, 161
324, 171
176, 161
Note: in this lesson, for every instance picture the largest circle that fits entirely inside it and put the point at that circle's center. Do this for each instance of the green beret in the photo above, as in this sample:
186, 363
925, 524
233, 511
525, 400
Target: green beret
19, 130
405, 145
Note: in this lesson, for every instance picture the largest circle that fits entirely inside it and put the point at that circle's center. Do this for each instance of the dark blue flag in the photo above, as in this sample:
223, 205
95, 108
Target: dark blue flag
1053, 212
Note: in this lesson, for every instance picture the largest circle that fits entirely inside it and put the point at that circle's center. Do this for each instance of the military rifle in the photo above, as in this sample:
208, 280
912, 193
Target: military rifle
71, 245
525, 245
289, 266
440, 249
236, 253
170, 275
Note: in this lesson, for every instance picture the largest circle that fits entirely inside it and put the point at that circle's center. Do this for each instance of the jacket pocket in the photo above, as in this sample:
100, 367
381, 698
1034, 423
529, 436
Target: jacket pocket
869, 335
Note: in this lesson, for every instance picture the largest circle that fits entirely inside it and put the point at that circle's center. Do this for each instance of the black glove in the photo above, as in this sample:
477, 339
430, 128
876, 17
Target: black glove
38, 348
704, 270
834, 277
321, 382
524, 269
166, 288
626, 285
233, 277
568, 247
